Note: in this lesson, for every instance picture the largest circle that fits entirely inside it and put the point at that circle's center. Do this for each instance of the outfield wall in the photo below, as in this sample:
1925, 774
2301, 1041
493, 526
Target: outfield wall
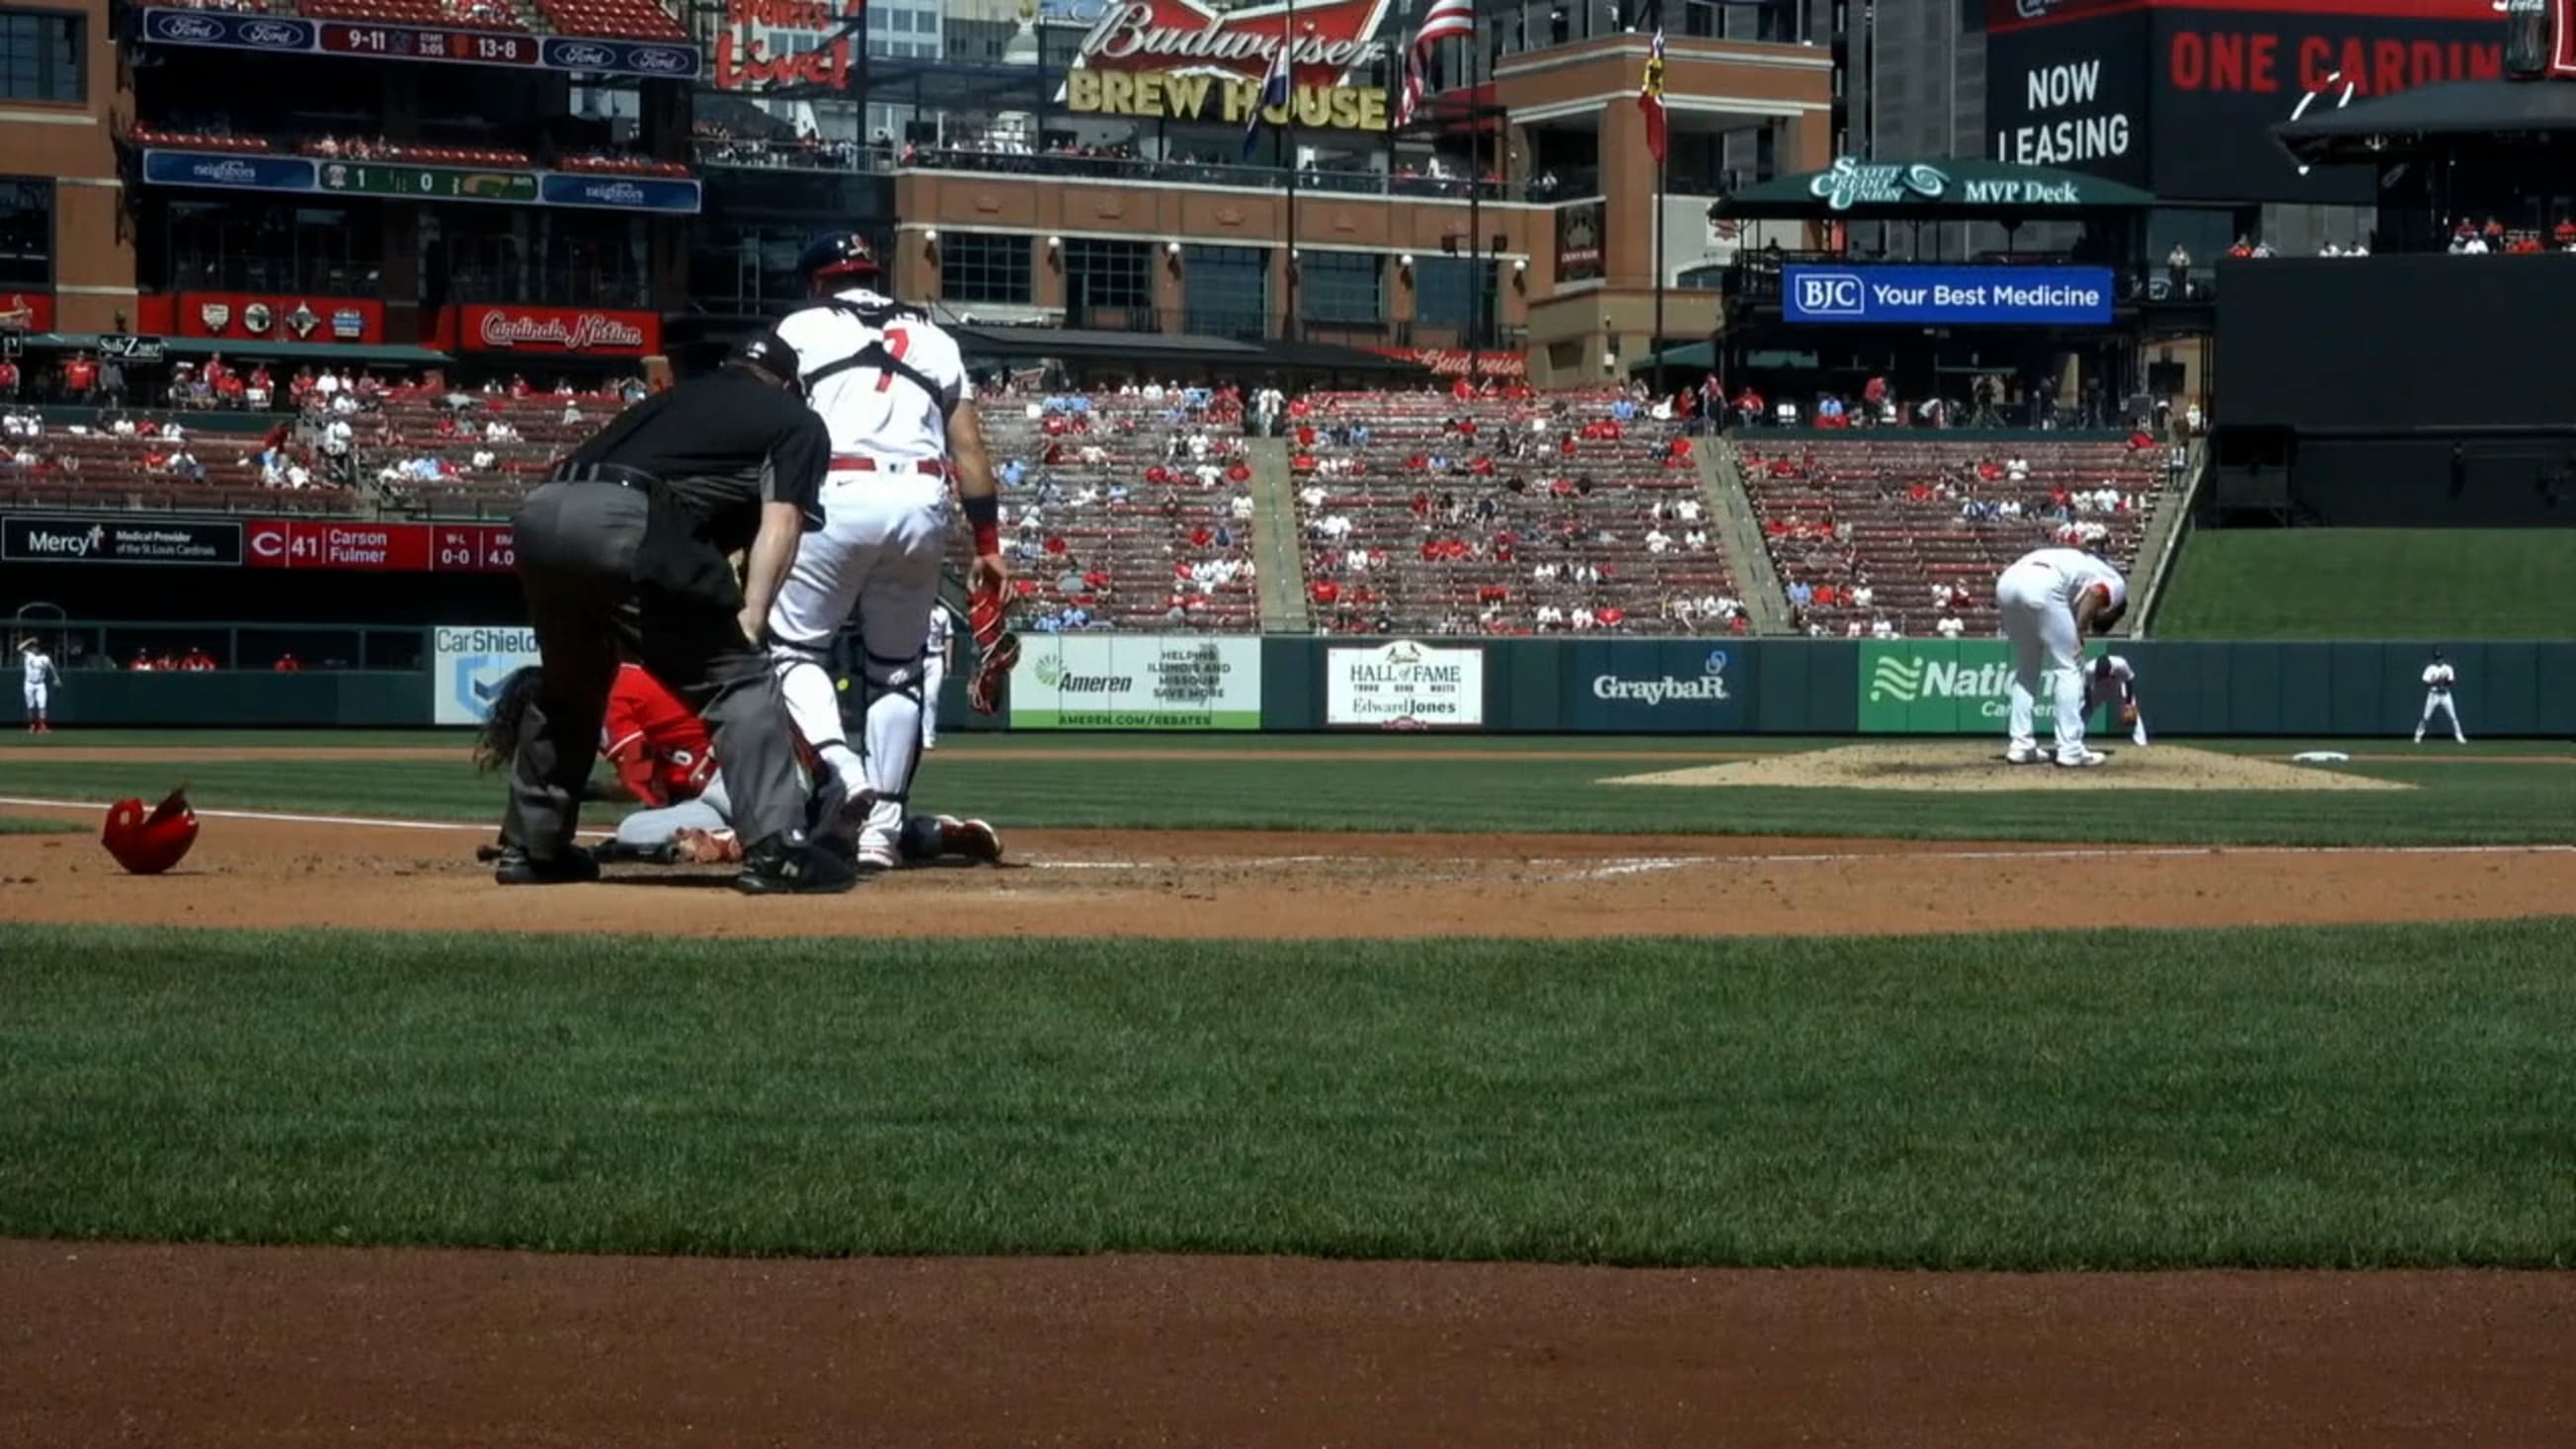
1550, 686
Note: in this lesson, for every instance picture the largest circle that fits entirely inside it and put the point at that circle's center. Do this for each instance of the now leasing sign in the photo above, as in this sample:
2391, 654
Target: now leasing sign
1136, 682
1942, 687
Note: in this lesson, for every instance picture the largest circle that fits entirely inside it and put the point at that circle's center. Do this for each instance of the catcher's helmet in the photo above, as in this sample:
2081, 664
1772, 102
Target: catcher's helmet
838, 254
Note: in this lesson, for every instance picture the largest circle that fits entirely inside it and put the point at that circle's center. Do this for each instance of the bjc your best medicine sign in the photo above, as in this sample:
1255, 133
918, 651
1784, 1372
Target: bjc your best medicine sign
1965, 296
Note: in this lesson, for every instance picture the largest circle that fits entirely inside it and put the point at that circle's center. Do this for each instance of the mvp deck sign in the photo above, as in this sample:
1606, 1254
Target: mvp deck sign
1173, 59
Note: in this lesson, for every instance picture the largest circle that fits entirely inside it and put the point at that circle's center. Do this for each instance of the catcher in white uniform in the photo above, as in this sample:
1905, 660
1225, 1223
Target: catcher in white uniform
2050, 599
892, 388
39, 681
2439, 676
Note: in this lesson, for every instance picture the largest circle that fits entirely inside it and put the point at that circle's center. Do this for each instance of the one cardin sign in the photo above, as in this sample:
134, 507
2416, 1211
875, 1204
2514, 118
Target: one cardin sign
113, 541
1179, 60
1405, 685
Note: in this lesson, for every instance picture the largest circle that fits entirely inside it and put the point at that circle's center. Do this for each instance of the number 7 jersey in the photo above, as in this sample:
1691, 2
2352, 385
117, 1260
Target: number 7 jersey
881, 375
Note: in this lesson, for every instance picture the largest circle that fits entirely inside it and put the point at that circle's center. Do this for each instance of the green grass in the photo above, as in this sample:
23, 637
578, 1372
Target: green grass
2345, 1097
37, 825
2431, 584
73, 738
1466, 790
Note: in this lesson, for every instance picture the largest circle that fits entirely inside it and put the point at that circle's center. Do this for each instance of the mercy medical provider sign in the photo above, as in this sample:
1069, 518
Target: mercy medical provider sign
1136, 682
467, 666
1404, 684
1943, 687
1963, 296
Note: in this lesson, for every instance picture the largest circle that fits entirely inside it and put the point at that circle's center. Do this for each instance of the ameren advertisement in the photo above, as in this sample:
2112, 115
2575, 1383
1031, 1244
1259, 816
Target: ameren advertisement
1943, 687
1136, 682
1990, 296
467, 665
1405, 684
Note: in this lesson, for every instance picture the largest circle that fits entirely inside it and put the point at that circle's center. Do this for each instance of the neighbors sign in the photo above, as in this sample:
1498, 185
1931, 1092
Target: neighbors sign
1177, 60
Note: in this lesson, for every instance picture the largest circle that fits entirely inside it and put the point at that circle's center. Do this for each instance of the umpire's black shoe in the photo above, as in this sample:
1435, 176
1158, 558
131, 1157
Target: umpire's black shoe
789, 864
517, 867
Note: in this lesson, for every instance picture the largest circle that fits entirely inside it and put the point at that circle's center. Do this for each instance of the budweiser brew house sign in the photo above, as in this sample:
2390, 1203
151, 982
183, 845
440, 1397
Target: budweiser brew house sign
1172, 59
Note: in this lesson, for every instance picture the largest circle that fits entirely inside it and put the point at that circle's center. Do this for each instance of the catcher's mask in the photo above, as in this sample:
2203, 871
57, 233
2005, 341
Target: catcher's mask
150, 843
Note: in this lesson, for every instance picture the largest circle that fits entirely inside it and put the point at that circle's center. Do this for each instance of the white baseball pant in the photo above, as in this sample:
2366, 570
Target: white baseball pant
2045, 654
934, 676
877, 555
39, 696
2440, 699
711, 810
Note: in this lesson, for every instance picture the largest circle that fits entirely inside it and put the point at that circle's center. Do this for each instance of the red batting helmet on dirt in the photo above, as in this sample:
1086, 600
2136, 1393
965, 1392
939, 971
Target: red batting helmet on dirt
148, 844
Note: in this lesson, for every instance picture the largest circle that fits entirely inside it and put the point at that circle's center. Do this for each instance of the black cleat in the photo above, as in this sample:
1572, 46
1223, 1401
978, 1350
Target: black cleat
517, 867
789, 864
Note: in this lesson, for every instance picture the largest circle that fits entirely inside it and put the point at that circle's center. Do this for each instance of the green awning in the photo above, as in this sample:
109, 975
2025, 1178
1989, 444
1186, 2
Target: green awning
1937, 190
257, 349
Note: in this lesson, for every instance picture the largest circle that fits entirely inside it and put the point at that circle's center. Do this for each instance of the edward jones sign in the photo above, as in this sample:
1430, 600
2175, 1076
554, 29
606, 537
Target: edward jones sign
569, 331
1403, 684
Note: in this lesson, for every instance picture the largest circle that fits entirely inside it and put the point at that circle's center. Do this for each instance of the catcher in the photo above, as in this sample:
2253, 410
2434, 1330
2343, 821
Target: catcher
2112, 679
664, 758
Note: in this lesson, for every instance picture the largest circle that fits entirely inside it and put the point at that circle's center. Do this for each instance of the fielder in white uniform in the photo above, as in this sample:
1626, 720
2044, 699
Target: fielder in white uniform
2050, 599
2113, 679
40, 681
934, 673
2439, 676
892, 388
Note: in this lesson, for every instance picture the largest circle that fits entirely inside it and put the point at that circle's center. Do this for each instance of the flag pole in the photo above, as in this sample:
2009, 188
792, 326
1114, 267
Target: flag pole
1288, 40
1661, 170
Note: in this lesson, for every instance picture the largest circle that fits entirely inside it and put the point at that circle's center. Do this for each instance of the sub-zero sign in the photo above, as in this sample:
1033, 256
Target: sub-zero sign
109, 540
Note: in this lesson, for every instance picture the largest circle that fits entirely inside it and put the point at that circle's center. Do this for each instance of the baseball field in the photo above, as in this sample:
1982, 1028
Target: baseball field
1334, 1090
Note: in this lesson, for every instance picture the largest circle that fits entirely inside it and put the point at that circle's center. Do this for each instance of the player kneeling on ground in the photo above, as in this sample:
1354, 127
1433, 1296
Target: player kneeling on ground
665, 759
2113, 679
2050, 598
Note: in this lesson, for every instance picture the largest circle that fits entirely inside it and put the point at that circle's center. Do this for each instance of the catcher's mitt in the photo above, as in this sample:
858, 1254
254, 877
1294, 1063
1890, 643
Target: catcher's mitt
988, 614
2128, 715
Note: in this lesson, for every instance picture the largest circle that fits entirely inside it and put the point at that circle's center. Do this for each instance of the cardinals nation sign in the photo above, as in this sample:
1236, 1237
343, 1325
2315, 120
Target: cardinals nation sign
1175, 59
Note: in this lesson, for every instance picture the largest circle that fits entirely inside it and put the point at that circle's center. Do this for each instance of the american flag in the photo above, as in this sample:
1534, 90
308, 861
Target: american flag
1445, 20
1276, 89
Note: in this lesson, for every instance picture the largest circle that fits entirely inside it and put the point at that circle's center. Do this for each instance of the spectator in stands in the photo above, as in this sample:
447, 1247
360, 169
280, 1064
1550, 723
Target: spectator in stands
8, 379
80, 377
2178, 271
1950, 627
286, 663
196, 661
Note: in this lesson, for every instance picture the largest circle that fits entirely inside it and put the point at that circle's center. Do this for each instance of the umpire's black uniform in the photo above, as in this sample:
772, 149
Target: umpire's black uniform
625, 549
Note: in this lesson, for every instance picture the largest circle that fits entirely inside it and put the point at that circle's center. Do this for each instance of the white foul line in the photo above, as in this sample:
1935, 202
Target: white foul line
1590, 867
367, 821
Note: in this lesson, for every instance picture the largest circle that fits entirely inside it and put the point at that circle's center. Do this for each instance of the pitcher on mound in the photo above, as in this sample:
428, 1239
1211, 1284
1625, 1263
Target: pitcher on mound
892, 389
2050, 600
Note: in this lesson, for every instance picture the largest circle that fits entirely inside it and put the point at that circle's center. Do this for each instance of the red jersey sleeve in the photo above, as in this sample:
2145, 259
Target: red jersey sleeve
622, 740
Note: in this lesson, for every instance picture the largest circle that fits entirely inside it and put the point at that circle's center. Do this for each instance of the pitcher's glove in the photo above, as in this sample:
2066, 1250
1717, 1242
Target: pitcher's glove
987, 614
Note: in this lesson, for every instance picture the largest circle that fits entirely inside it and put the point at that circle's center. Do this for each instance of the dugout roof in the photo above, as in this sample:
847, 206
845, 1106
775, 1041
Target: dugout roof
2426, 118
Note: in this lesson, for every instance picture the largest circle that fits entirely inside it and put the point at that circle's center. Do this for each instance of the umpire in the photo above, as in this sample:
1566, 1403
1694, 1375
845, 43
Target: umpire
624, 549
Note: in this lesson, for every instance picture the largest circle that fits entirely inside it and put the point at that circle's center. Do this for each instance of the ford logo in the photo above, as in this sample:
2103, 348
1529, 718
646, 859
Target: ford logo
186, 27
652, 57
269, 32
585, 55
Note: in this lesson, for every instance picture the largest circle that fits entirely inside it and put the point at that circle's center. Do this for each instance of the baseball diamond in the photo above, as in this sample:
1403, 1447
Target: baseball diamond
1287, 722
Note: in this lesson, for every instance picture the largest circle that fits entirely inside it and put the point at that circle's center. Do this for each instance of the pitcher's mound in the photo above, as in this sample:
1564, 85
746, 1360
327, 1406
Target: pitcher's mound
1980, 766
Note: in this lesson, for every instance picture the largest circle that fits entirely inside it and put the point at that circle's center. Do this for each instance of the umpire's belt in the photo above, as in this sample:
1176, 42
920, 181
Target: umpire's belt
853, 463
617, 473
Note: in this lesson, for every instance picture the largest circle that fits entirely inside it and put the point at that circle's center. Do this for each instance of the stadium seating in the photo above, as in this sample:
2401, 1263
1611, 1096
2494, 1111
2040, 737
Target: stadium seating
621, 165
141, 135
1083, 552
632, 19
1541, 523
407, 429
98, 470
1891, 511
465, 14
